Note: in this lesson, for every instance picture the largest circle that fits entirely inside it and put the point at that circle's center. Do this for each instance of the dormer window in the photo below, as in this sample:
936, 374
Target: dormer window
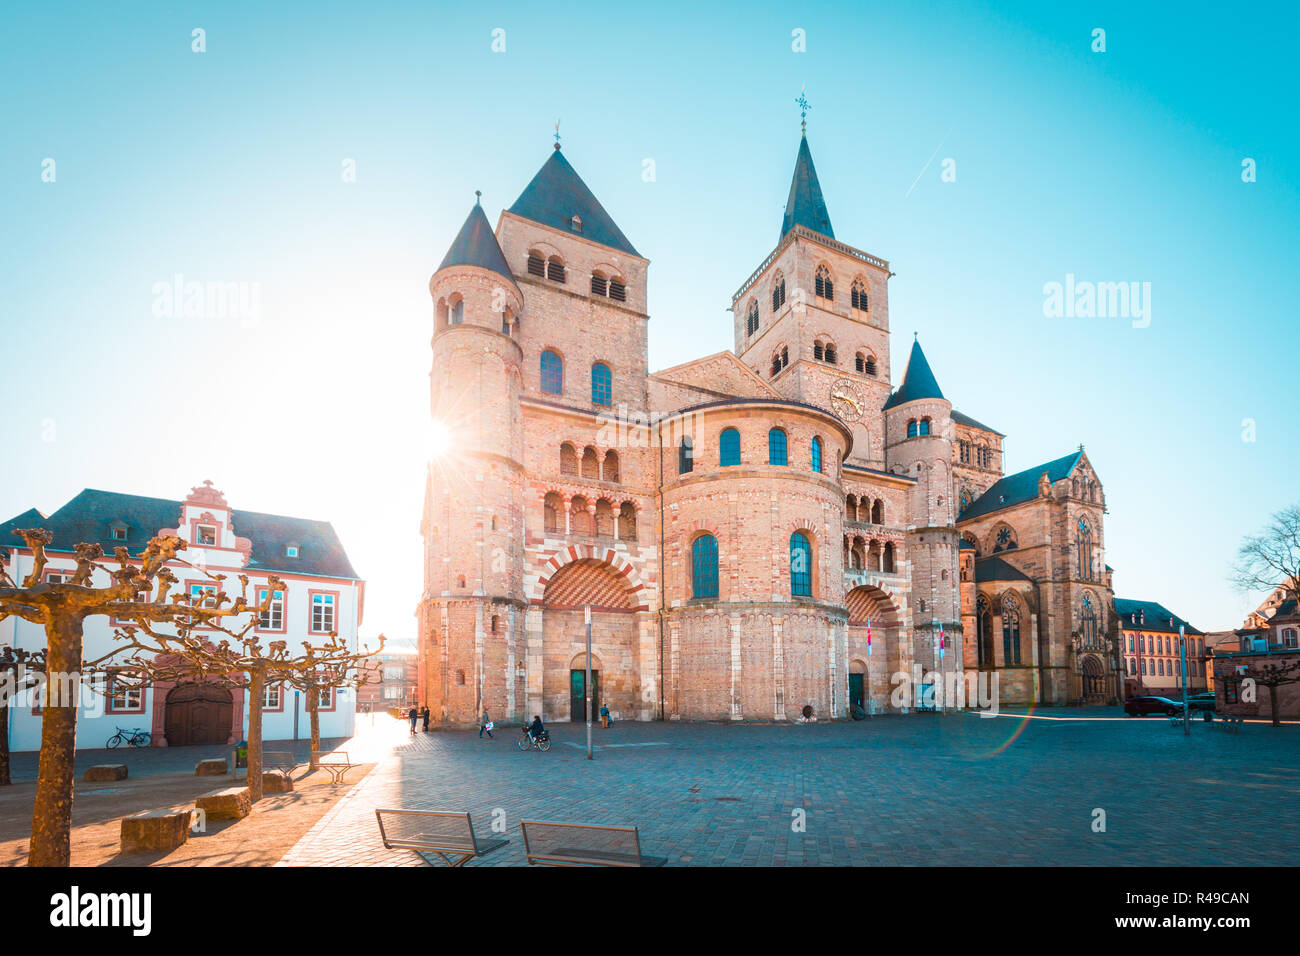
205, 534
119, 534
291, 551
576, 224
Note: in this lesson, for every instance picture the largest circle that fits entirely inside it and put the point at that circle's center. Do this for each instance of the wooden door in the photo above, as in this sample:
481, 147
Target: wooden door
198, 714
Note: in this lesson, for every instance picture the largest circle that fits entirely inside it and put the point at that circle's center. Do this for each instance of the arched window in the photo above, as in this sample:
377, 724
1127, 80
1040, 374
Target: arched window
1085, 550
590, 463
568, 459
817, 351
985, 619
555, 269
965, 499
536, 264
858, 295
829, 353
552, 372
1088, 621
817, 454
778, 291
751, 318
579, 516
1144, 666
602, 383
729, 447
552, 513
604, 518
457, 310
776, 447
887, 564
599, 284
923, 427
627, 521
704, 567
1010, 630
609, 469
911, 428
800, 565
686, 455
878, 512
823, 287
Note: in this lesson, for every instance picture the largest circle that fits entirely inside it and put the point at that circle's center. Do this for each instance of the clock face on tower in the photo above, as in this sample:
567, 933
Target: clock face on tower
847, 400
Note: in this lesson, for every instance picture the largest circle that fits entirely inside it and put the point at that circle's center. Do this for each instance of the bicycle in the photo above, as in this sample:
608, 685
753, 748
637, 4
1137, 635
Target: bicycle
136, 738
528, 741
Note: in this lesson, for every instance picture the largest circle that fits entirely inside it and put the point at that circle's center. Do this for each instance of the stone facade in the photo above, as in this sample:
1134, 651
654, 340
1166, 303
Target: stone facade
753, 532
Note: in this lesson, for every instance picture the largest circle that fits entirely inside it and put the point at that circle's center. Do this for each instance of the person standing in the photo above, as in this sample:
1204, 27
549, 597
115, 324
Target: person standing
604, 716
414, 715
424, 714
485, 724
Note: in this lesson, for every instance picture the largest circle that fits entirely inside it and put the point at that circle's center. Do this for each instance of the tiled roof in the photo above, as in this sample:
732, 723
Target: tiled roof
90, 516
1018, 488
918, 380
994, 568
557, 194
1151, 616
969, 422
476, 245
806, 206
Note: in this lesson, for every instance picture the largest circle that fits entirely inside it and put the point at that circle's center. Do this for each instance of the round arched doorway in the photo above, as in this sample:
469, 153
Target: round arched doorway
1094, 680
198, 714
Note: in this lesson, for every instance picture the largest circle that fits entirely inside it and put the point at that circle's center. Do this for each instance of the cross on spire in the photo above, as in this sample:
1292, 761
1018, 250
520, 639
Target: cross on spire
804, 107
557, 134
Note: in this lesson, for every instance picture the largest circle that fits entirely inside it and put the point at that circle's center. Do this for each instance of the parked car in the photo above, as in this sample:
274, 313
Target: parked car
1201, 703
1141, 706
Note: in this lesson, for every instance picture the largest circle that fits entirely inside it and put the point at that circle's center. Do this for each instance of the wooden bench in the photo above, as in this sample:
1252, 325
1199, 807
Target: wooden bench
447, 833
578, 844
337, 766
282, 762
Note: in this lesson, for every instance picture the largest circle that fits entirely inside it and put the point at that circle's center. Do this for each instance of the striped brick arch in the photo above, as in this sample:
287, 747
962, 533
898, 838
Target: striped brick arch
869, 603
579, 577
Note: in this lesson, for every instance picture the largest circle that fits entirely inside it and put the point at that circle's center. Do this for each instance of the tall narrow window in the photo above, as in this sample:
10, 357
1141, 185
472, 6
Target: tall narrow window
1010, 630
1085, 550
601, 384
858, 295
458, 312
536, 265
911, 429
1088, 622
751, 319
822, 285
322, 613
599, 286
729, 447
923, 427
686, 455
829, 353
817, 351
800, 565
552, 372
617, 291
272, 619
555, 269
776, 447
704, 567
985, 619
817, 454
778, 292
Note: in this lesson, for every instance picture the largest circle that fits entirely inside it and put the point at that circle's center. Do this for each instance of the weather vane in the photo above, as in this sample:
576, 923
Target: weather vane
557, 134
802, 103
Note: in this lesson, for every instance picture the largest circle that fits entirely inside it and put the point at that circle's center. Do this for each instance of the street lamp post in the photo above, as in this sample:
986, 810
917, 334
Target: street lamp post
1182, 652
586, 684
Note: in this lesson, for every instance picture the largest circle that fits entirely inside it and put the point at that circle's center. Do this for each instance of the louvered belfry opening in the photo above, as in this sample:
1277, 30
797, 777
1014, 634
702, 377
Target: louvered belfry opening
536, 265
598, 284
617, 291
555, 269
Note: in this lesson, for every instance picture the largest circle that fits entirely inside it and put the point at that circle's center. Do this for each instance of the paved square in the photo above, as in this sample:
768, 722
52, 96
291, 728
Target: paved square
919, 790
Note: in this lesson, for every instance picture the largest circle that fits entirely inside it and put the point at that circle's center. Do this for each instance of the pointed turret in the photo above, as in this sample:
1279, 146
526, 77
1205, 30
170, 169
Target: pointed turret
918, 380
476, 245
557, 197
806, 207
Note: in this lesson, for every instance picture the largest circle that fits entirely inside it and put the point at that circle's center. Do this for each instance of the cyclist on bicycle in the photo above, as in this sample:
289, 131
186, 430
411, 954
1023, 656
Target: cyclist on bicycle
535, 729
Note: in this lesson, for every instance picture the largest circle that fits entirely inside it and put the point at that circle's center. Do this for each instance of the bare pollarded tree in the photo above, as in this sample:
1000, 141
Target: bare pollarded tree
62, 608
317, 675
21, 671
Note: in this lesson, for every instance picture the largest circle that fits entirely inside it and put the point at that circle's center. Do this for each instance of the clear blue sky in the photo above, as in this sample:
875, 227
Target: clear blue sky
225, 166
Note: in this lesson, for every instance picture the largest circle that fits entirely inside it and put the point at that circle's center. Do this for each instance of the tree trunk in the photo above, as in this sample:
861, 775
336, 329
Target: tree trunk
4, 744
313, 710
256, 691
52, 816
1272, 703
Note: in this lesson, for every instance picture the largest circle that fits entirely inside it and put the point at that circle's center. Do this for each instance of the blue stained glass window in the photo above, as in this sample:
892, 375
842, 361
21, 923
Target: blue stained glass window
729, 447
776, 447
800, 565
552, 372
704, 567
601, 384
817, 455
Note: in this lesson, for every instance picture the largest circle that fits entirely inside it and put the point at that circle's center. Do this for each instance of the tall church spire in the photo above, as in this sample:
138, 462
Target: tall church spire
806, 207
918, 380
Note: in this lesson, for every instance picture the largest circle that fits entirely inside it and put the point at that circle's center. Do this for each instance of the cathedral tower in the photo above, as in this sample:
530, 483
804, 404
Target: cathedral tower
473, 512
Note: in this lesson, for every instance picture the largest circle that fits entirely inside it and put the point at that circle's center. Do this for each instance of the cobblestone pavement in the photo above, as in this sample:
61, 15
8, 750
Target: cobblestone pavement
919, 790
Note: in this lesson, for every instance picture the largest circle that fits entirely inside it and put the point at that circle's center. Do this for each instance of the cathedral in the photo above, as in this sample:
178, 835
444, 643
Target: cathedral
760, 534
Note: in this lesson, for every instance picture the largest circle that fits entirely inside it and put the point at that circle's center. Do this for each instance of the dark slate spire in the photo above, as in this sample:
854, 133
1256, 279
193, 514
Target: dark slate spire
557, 194
806, 207
476, 245
918, 380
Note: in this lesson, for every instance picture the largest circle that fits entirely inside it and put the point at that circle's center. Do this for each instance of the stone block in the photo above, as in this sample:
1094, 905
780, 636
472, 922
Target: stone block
105, 772
276, 783
232, 803
215, 767
155, 831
